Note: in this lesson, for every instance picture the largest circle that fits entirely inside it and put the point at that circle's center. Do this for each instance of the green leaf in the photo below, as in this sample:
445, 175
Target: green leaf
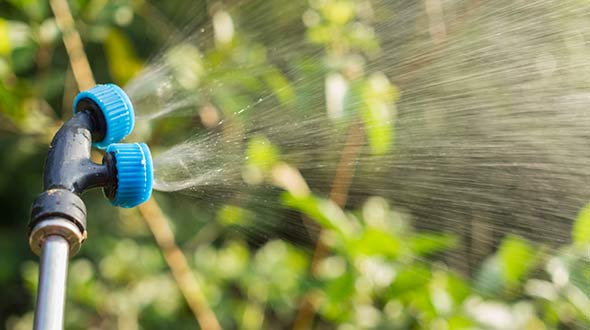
457, 287
378, 112
507, 269
261, 153
338, 12
581, 229
376, 242
186, 64
234, 215
23, 58
460, 322
319, 34
325, 212
410, 278
516, 257
280, 86
339, 292
123, 62
34, 9
428, 243
5, 45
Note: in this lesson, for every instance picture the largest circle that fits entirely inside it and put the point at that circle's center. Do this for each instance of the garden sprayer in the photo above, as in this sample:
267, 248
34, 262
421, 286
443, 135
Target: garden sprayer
103, 116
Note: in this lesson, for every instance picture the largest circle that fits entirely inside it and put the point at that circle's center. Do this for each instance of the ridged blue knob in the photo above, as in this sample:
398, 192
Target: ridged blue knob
116, 108
133, 162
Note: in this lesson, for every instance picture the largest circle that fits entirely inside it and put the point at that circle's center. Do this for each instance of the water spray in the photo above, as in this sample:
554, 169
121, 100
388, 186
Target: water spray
103, 116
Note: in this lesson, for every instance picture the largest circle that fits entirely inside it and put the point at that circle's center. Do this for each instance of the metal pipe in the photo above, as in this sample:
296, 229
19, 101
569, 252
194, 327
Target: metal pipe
53, 271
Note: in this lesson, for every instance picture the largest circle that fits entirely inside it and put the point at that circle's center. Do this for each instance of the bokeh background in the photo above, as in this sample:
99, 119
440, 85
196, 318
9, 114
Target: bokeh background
287, 238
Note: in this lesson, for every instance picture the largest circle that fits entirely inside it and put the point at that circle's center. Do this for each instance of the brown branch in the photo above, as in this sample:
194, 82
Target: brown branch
73, 43
338, 194
347, 165
157, 222
187, 283
436, 20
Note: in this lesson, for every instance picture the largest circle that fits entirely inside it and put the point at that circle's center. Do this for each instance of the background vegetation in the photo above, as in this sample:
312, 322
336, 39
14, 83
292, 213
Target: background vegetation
338, 265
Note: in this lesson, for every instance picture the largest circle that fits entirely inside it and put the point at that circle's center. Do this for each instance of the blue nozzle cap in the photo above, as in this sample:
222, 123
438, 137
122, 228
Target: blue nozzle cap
116, 108
134, 173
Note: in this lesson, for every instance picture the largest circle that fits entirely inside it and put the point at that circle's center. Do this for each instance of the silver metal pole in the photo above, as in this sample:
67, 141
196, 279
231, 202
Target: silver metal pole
53, 272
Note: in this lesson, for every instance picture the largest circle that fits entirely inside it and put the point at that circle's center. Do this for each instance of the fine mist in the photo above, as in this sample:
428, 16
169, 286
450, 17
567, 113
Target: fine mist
491, 132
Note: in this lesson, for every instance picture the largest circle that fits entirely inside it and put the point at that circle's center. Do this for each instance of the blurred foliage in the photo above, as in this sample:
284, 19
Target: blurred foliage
379, 273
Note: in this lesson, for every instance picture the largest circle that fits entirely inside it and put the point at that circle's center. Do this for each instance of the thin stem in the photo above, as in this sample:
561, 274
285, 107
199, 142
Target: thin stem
160, 227
338, 194
73, 43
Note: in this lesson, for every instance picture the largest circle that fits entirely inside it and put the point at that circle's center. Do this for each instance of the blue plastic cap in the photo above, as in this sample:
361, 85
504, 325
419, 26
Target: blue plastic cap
134, 173
116, 108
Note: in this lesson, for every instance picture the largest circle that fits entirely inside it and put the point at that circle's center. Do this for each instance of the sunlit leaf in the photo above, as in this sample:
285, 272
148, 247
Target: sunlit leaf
338, 293
187, 66
261, 153
410, 278
378, 113
123, 62
234, 215
280, 86
233, 259
506, 269
338, 11
457, 287
376, 242
517, 258
581, 229
319, 34
460, 322
325, 212
5, 45
428, 243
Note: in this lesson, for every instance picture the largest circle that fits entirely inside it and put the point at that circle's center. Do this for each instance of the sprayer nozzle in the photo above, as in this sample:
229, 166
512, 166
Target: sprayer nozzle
116, 109
133, 163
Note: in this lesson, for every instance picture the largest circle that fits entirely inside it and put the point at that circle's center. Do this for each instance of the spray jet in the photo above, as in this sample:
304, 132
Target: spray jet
103, 116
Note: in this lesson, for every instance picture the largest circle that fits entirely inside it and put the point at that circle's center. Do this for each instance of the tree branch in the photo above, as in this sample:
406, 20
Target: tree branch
338, 194
73, 43
160, 227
